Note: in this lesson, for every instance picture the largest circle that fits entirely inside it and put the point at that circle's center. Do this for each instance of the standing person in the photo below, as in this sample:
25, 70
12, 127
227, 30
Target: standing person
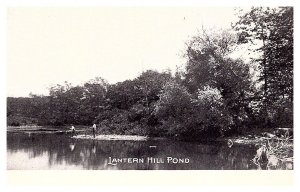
73, 130
94, 130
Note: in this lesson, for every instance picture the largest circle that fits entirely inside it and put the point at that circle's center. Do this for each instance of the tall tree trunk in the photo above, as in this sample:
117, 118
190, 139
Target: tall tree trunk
265, 77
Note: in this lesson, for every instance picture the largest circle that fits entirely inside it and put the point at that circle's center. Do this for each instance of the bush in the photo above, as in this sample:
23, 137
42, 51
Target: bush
183, 116
211, 113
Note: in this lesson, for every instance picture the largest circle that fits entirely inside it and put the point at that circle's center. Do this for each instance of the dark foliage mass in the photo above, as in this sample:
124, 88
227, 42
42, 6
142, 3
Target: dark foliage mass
215, 95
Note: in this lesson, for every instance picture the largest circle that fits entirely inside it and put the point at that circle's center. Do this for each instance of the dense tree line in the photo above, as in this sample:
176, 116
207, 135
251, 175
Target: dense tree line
272, 30
215, 95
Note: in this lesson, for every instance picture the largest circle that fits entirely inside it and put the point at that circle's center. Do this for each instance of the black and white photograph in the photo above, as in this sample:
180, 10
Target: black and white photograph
150, 88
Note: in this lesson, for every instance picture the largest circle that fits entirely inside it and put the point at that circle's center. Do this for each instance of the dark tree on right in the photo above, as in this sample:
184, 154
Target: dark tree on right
270, 31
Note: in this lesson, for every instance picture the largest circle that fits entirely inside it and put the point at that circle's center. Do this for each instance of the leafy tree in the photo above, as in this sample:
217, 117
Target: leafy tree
212, 116
209, 65
94, 99
123, 95
270, 30
58, 104
173, 108
27, 110
183, 115
150, 83
76, 105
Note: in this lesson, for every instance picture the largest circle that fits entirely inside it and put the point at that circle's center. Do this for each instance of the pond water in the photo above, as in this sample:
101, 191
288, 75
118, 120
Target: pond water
44, 151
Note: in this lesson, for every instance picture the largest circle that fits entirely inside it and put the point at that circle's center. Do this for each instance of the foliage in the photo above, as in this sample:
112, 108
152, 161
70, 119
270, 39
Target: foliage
173, 108
214, 95
208, 65
26, 111
174, 101
270, 30
188, 117
212, 113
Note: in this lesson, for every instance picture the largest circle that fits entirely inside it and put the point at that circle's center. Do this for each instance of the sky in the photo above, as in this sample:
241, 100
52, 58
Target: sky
50, 45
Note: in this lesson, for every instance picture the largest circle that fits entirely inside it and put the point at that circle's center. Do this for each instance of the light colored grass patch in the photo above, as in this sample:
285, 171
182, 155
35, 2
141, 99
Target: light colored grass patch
112, 137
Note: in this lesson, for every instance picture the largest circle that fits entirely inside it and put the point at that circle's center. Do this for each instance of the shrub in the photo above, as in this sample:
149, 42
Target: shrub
211, 113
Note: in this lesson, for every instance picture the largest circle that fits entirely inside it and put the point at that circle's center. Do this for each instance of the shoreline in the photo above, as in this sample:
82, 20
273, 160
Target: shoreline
255, 139
113, 137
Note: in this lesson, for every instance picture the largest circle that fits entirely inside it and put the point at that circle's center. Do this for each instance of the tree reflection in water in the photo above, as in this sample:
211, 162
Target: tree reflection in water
94, 154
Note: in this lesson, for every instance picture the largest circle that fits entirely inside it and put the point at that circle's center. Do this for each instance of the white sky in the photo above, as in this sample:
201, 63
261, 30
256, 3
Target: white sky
47, 46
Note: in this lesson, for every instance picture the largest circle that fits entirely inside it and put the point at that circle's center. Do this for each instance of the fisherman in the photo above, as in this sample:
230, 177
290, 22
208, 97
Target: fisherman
73, 130
94, 130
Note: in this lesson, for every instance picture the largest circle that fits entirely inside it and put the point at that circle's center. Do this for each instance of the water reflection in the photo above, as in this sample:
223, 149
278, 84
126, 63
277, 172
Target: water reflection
50, 151
72, 146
